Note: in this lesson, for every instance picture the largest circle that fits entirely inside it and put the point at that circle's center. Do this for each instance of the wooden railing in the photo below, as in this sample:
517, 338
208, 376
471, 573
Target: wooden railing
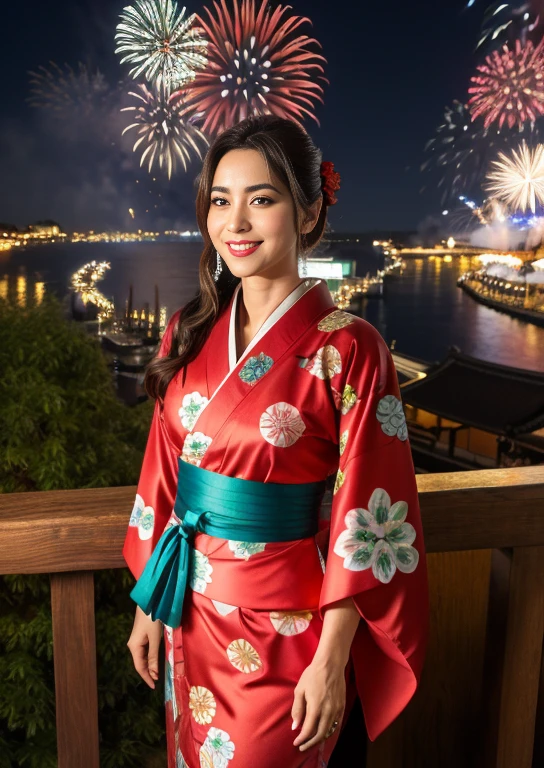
71, 534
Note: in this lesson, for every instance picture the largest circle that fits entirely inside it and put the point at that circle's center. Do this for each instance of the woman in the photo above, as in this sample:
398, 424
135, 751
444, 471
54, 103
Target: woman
264, 390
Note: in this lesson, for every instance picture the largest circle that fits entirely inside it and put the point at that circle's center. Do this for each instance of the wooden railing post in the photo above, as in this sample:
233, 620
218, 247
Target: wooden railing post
76, 695
513, 662
538, 757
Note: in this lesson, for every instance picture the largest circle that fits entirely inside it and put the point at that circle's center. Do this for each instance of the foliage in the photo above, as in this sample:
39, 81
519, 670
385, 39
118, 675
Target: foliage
62, 426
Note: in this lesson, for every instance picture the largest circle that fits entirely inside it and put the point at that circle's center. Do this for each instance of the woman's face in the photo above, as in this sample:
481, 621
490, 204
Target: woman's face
251, 218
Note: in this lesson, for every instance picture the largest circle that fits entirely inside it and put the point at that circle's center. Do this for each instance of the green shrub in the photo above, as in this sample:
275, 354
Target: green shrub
62, 426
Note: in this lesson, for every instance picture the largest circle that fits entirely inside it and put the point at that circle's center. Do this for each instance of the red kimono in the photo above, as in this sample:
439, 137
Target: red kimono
315, 394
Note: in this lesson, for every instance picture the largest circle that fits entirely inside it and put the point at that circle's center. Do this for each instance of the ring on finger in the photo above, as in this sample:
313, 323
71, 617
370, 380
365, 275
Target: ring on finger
332, 729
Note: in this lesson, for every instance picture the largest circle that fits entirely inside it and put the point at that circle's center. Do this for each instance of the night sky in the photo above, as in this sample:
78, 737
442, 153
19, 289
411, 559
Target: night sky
392, 68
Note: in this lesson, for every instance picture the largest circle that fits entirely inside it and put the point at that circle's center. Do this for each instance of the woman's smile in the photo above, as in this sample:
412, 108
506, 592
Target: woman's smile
243, 247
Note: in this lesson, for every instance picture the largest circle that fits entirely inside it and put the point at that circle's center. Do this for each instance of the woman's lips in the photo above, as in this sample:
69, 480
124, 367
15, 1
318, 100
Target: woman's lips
243, 252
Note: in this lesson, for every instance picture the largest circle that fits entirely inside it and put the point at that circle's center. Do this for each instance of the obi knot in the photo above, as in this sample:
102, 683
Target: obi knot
189, 523
160, 590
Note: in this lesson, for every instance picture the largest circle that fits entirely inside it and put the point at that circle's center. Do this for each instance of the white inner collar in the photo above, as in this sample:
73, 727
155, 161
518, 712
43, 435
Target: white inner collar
280, 310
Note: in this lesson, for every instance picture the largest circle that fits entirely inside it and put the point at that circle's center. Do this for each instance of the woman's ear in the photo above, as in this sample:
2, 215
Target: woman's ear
313, 215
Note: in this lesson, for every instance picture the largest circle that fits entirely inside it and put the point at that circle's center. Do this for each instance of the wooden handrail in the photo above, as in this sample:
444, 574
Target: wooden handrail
70, 534
83, 530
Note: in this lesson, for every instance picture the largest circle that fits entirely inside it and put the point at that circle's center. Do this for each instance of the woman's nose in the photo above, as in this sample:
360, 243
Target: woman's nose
237, 219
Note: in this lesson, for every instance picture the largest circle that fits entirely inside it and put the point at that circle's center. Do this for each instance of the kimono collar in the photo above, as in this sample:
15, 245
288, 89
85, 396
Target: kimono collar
307, 304
317, 297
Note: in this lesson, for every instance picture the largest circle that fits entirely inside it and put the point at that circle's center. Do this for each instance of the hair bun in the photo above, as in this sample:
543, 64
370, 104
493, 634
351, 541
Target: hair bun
330, 181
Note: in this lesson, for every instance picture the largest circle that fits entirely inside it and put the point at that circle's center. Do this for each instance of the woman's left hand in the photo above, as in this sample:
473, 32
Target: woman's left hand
320, 700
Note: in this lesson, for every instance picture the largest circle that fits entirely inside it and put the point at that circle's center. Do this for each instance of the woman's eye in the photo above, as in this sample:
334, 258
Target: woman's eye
218, 201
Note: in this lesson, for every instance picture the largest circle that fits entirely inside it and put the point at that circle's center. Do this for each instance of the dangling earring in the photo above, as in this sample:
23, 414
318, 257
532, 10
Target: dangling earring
302, 259
219, 267
302, 266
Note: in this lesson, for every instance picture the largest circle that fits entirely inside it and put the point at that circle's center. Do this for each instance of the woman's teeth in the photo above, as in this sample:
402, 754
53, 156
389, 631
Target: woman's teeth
242, 247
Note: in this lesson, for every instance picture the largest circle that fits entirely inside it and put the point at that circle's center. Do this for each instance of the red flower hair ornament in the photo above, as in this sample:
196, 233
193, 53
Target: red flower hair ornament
330, 182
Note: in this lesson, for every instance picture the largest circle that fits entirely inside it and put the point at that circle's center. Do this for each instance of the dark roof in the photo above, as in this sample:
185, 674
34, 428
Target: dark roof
492, 397
531, 441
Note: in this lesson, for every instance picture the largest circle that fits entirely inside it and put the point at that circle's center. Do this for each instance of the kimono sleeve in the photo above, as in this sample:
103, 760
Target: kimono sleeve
376, 551
157, 485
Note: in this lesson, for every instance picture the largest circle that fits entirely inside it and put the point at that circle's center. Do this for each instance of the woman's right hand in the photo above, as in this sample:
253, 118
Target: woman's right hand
144, 643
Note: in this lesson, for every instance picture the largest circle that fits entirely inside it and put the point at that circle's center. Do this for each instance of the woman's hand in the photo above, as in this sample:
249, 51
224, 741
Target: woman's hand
144, 643
320, 699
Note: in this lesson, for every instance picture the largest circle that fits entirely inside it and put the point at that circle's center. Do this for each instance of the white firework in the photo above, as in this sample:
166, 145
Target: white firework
165, 137
519, 179
166, 48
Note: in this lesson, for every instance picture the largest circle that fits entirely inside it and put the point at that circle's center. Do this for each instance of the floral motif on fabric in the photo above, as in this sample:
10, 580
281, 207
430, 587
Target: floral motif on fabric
390, 414
244, 549
202, 704
281, 425
142, 518
217, 750
137, 510
243, 656
335, 321
293, 623
223, 609
192, 406
325, 364
339, 482
378, 538
201, 571
255, 368
195, 446
349, 398
180, 760
343, 441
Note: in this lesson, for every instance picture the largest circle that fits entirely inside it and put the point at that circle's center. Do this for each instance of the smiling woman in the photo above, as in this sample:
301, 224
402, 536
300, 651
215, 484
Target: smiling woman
275, 609
244, 222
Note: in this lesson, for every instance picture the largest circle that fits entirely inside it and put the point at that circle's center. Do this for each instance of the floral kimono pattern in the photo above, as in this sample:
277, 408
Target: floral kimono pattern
315, 395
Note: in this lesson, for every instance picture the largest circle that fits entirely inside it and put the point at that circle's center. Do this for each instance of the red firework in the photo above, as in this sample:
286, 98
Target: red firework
510, 86
255, 66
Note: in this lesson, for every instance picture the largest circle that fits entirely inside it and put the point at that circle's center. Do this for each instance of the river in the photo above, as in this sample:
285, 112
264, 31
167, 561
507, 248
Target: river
423, 312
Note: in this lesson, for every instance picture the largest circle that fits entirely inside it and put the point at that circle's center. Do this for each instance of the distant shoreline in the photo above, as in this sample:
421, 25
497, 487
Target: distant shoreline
529, 315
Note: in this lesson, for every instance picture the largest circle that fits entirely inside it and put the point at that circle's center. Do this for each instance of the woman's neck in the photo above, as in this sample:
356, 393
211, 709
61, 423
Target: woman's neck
257, 300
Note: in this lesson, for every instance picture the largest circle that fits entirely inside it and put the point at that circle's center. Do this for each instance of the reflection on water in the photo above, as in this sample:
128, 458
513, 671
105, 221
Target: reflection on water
22, 289
426, 313
423, 311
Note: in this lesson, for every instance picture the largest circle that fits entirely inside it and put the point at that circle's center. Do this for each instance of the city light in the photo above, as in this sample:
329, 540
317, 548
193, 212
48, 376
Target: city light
83, 283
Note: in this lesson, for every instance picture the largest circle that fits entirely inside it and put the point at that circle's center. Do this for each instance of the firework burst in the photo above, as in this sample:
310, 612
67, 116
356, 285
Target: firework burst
64, 91
470, 216
256, 66
164, 135
78, 104
510, 86
519, 179
462, 150
163, 46
502, 21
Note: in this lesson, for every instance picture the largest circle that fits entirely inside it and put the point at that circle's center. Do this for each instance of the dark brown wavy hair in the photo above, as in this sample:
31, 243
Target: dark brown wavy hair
291, 155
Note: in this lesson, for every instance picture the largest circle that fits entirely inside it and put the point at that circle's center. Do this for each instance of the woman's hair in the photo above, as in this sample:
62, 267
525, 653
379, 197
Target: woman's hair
291, 155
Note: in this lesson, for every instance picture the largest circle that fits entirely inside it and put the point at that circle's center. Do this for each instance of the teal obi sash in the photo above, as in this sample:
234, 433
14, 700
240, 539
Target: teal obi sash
228, 508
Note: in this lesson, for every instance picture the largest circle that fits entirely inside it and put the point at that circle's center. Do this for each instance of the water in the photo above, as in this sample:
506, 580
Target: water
424, 311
